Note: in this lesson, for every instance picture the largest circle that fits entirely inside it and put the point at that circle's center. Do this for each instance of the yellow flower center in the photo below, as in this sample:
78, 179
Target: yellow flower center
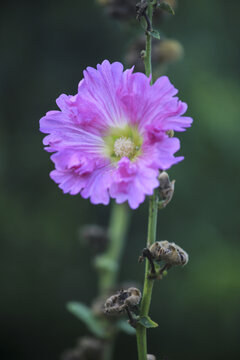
124, 147
123, 142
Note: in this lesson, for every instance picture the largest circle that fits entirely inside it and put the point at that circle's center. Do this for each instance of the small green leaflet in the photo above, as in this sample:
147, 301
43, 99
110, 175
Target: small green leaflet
155, 34
147, 322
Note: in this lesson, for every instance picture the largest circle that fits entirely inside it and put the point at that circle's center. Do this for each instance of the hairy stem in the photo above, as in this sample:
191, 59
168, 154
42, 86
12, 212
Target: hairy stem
141, 331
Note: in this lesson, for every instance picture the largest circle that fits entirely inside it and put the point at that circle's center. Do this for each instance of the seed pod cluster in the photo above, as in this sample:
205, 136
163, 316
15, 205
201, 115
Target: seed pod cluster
117, 304
170, 253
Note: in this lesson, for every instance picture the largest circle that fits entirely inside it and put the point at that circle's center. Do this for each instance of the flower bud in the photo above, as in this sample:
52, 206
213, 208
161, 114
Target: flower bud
117, 304
168, 252
166, 188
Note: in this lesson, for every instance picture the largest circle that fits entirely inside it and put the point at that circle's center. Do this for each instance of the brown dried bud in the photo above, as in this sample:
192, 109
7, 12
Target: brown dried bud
96, 237
168, 252
134, 298
117, 304
166, 188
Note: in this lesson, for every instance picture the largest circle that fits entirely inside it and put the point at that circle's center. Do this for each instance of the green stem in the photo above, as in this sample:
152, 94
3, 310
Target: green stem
141, 332
118, 226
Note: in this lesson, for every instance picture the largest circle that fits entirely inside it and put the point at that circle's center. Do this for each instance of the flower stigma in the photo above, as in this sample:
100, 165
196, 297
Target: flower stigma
123, 142
124, 147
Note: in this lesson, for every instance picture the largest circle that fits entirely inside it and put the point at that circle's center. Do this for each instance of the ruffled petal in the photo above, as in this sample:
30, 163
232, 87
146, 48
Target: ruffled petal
64, 133
100, 89
132, 182
74, 161
163, 154
133, 94
69, 182
97, 187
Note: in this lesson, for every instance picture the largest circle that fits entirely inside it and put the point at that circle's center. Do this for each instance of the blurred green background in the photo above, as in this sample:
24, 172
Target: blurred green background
44, 48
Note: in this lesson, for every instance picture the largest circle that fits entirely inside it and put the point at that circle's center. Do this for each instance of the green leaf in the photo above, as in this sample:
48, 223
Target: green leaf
85, 314
125, 327
147, 322
166, 7
155, 34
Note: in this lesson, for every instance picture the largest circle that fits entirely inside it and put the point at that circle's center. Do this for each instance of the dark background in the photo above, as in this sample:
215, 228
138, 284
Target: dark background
44, 48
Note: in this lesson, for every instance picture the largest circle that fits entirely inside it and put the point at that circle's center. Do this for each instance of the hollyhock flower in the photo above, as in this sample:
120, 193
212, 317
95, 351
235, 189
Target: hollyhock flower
110, 139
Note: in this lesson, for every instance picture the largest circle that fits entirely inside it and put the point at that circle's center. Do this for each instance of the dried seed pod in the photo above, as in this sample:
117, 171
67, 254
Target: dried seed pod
170, 253
166, 188
134, 298
117, 304
113, 305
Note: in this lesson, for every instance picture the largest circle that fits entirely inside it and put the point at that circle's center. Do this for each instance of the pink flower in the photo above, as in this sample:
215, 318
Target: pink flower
109, 140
